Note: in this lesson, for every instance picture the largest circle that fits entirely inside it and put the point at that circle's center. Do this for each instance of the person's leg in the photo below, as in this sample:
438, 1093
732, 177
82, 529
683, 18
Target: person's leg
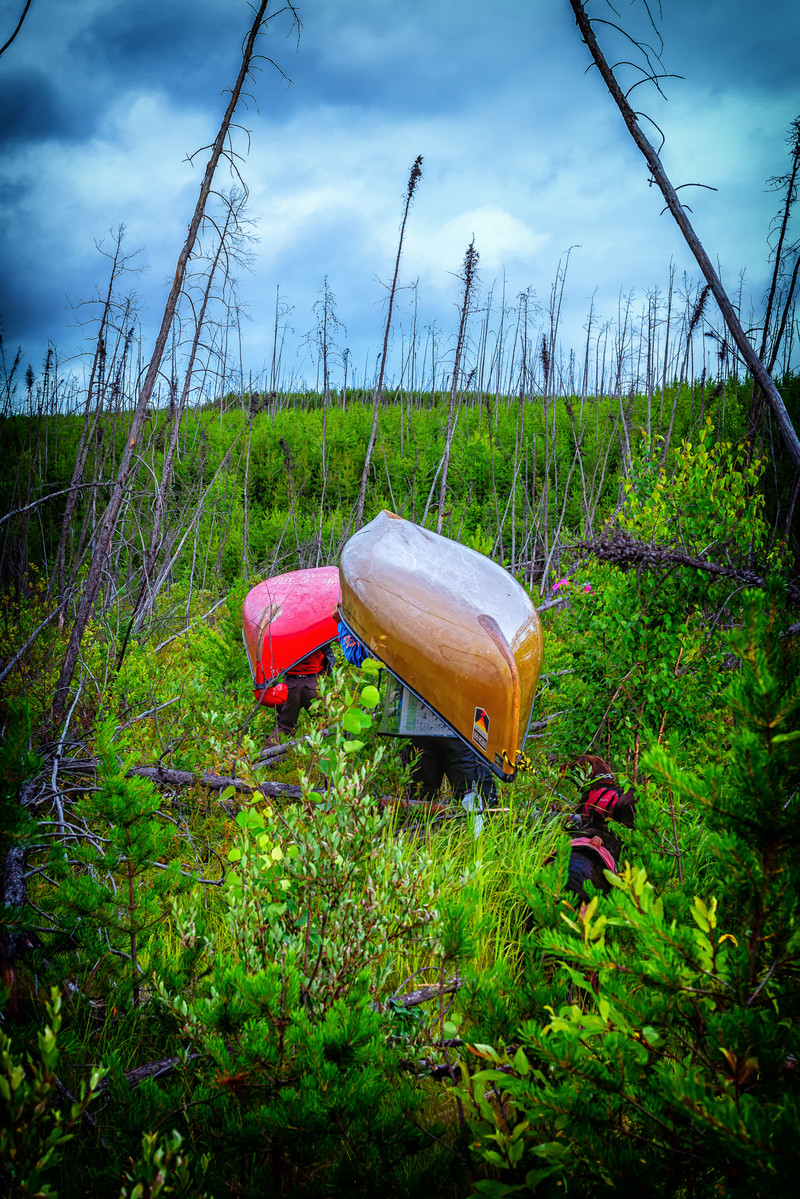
427, 771
309, 692
303, 690
286, 715
312, 689
467, 772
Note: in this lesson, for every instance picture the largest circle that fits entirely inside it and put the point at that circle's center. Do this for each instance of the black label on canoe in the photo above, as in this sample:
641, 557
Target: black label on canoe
480, 728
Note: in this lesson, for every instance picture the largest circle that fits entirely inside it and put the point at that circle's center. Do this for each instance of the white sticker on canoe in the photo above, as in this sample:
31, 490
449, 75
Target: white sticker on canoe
480, 729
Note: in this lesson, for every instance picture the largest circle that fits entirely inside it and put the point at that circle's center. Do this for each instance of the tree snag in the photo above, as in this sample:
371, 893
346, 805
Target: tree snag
109, 523
659, 175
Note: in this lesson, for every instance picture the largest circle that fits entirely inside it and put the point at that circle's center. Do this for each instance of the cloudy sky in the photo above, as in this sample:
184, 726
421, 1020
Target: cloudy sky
101, 102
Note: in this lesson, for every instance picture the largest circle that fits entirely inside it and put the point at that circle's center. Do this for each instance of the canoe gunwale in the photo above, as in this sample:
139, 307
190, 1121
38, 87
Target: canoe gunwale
264, 686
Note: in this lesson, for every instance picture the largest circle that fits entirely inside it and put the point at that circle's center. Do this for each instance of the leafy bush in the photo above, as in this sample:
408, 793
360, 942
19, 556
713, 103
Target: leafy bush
646, 649
116, 881
669, 1045
36, 1119
282, 999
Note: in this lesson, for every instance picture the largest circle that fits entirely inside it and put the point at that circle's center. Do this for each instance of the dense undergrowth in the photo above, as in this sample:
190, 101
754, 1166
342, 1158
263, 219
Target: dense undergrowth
275, 486
252, 956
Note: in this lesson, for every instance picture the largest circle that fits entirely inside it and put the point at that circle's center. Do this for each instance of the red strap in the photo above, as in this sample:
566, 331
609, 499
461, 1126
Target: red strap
602, 800
587, 843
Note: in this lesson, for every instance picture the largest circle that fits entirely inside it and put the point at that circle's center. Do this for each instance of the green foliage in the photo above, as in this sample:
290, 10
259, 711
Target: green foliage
39, 1118
116, 883
646, 649
283, 998
35, 1120
505, 459
650, 1035
162, 1169
17, 827
219, 649
668, 1045
711, 501
17, 763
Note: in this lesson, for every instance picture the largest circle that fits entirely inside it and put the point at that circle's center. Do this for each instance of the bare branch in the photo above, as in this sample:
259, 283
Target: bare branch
751, 358
19, 26
625, 551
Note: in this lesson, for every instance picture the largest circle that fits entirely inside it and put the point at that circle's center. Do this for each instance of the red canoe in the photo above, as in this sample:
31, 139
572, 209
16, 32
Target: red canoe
285, 618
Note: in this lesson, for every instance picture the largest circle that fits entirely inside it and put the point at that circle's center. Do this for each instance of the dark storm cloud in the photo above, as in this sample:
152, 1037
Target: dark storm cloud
740, 45
182, 49
418, 57
521, 144
29, 297
29, 107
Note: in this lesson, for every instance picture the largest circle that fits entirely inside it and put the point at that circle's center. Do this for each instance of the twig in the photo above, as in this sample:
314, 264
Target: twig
57, 757
175, 636
52, 496
610, 706
425, 994
86, 1117
675, 835
274, 753
143, 715
20, 653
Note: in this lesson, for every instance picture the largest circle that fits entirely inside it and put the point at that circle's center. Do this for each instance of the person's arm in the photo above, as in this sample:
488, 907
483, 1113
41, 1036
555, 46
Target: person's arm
354, 651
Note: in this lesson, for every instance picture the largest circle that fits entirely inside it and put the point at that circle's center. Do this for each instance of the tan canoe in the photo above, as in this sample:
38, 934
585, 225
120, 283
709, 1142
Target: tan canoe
452, 625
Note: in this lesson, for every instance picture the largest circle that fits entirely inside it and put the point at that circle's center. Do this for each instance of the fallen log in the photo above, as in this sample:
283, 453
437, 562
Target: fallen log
411, 999
153, 1069
166, 776
215, 782
13, 895
625, 551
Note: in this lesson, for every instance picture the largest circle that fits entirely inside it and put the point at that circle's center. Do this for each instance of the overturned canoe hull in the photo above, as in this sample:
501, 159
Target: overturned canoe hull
285, 618
452, 625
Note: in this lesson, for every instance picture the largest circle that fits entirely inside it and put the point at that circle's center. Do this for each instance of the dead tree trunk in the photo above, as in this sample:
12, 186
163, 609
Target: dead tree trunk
468, 278
159, 512
118, 491
413, 180
57, 578
659, 175
789, 182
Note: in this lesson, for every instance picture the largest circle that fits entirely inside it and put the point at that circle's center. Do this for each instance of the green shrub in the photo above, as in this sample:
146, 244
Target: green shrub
36, 1118
646, 649
666, 1045
282, 998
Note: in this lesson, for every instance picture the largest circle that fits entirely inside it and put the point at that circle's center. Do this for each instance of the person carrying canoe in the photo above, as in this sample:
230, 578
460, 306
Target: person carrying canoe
302, 684
437, 758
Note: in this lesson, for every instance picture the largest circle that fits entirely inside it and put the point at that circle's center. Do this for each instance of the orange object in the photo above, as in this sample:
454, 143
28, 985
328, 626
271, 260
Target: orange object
284, 619
455, 627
